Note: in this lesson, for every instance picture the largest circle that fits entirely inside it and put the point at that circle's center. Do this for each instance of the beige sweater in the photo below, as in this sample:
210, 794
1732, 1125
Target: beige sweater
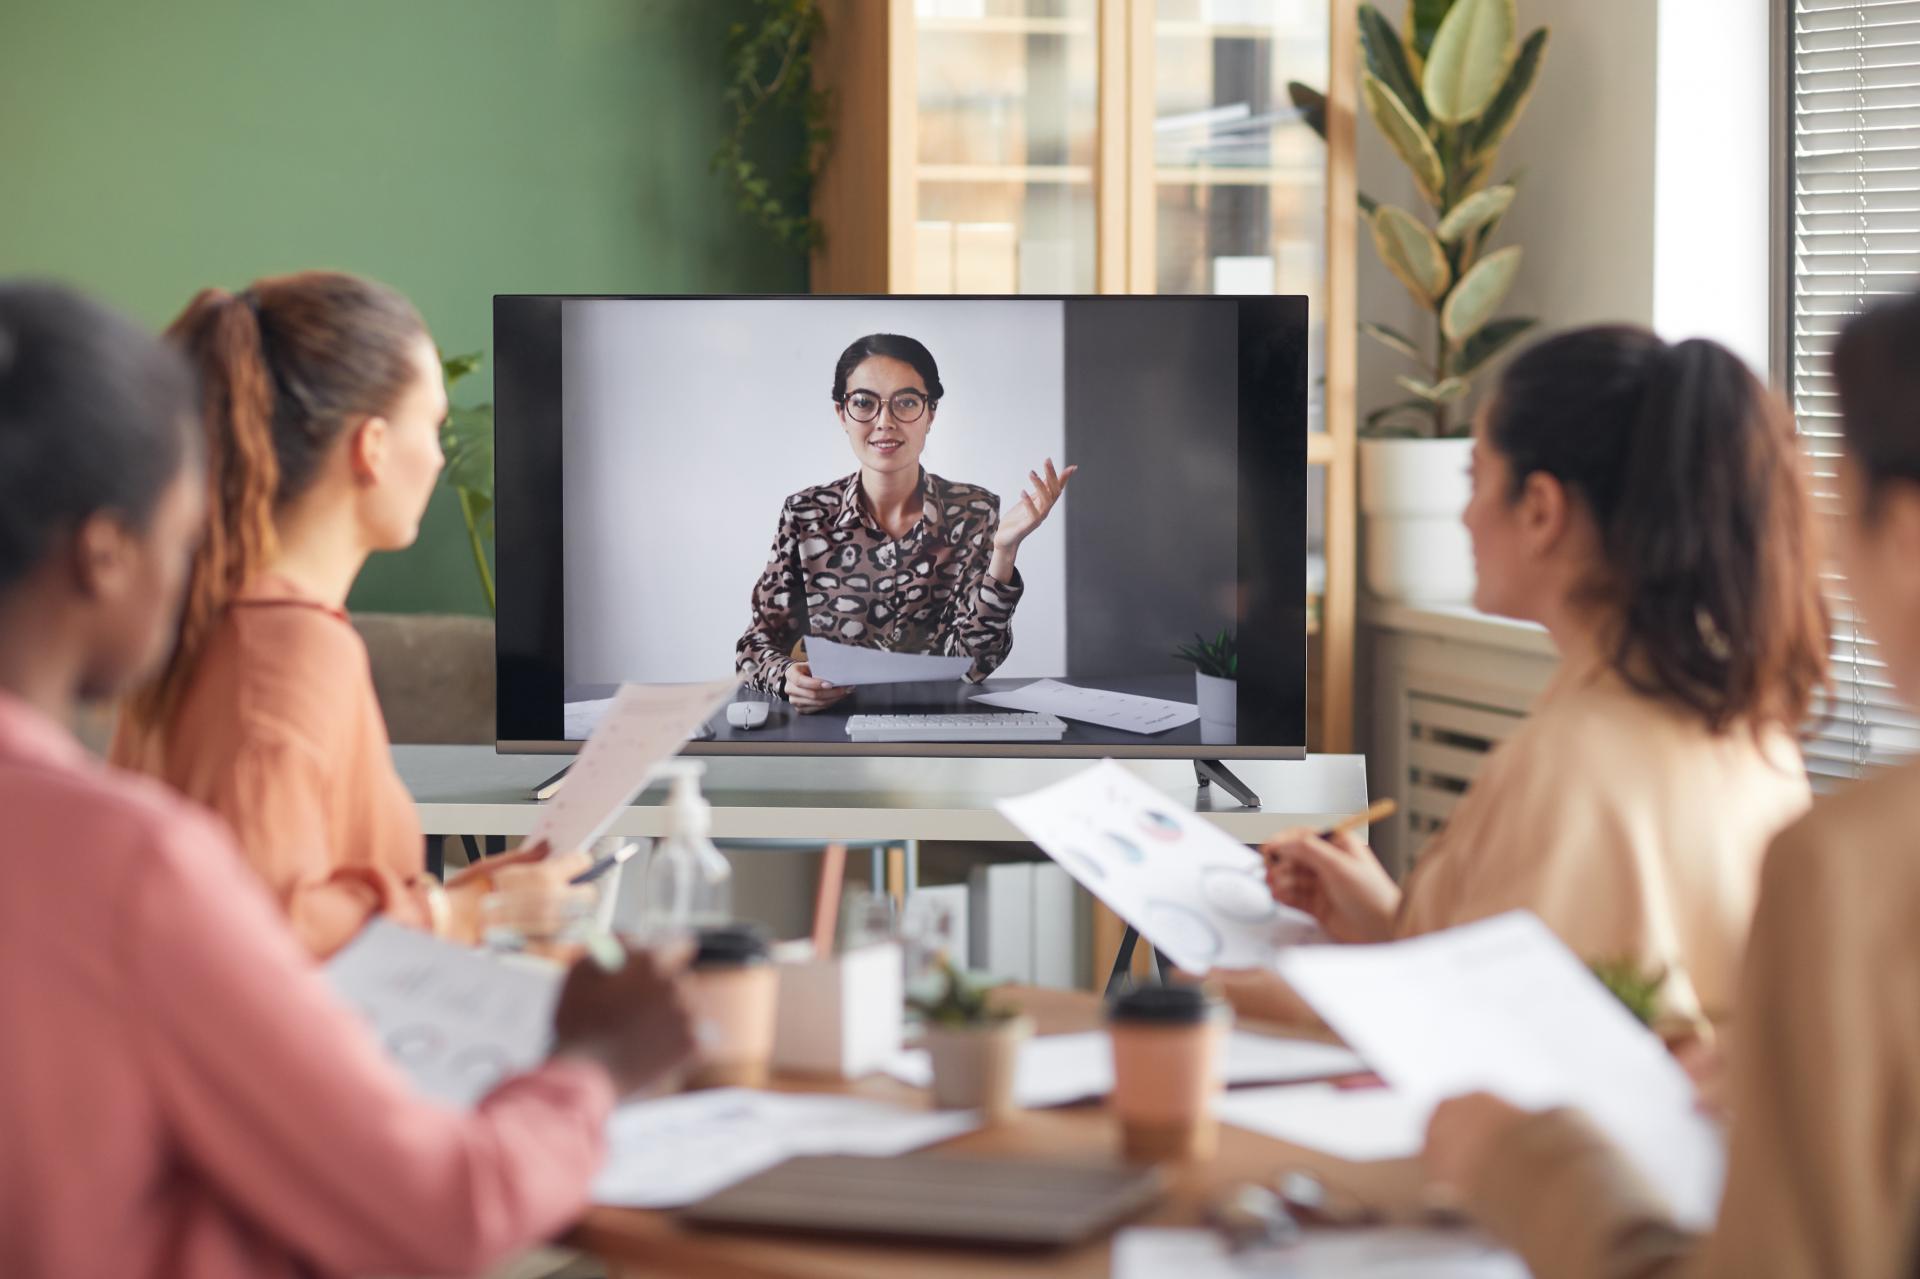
1627, 826
1824, 1168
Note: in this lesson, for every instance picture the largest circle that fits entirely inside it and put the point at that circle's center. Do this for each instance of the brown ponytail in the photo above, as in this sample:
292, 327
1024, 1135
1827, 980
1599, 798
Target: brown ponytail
1689, 467
284, 369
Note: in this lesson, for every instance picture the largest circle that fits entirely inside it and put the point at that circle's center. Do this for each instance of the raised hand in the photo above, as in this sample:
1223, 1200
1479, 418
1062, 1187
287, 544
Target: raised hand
1026, 515
633, 1022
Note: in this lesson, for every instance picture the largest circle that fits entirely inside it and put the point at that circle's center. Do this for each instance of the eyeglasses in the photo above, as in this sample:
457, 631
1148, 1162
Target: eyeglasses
864, 406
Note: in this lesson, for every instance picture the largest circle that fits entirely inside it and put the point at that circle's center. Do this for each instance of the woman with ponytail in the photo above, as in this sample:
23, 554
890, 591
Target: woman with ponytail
1643, 502
1823, 1077
322, 398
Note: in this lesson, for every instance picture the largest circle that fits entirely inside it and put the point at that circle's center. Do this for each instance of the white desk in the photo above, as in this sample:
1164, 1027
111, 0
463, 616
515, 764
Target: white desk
469, 790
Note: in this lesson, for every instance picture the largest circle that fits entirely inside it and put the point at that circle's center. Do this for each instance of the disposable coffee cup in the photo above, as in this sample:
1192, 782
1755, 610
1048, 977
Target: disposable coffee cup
1168, 1043
731, 987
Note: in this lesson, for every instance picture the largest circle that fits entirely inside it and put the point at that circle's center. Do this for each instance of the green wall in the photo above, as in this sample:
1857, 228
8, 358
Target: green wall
453, 148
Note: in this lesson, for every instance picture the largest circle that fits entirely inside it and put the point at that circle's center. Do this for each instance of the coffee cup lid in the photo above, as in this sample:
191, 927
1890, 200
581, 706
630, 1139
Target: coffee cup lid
1164, 1005
731, 944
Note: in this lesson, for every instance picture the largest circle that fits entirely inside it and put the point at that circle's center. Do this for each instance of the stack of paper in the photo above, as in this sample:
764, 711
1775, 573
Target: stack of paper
674, 1151
1503, 1007
1126, 712
850, 665
1388, 1253
1352, 1123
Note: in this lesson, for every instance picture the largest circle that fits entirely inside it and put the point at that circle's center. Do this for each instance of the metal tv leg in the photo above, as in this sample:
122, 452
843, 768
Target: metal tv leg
545, 790
1206, 771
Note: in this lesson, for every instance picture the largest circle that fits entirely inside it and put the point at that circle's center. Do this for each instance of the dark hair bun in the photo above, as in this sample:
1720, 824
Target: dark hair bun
894, 346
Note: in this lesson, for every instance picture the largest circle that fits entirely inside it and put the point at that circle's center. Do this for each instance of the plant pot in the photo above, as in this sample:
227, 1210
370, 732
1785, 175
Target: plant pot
1218, 699
974, 1066
1413, 494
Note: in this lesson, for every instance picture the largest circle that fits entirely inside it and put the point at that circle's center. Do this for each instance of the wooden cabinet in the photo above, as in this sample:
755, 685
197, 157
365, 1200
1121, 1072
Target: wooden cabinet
1111, 146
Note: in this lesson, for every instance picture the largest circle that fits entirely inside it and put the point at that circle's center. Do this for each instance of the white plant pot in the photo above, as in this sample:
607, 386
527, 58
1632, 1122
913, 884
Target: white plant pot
1218, 699
1413, 494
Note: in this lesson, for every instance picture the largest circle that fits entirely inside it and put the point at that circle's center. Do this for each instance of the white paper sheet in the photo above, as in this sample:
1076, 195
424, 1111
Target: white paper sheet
1056, 1070
1389, 1252
581, 718
849, 666
1200, 897
1352, 1123
645, 725
674, 1151
1126, 712
455, 1019
1502, 1006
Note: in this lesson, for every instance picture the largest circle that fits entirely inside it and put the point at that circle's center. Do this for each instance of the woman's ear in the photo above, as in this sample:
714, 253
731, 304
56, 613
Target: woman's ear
1543, 512
367, 450
105, 565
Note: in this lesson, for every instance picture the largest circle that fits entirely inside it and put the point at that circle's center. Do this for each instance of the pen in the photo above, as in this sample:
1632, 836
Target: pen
1378, 811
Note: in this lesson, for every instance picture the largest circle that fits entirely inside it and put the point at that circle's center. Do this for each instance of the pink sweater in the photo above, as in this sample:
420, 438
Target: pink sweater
181, 1093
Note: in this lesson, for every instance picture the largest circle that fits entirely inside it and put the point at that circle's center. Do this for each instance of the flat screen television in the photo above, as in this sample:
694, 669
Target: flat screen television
689, 487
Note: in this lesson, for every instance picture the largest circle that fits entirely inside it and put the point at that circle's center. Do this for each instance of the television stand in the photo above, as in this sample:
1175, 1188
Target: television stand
1208, 771
547, 789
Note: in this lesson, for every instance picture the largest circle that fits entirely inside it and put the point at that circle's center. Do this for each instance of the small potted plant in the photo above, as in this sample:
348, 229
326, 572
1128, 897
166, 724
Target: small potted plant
974, 1045
1644, 993
1216, 670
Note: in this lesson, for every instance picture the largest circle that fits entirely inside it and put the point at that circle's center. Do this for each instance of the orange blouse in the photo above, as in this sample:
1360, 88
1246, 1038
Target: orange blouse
280, 733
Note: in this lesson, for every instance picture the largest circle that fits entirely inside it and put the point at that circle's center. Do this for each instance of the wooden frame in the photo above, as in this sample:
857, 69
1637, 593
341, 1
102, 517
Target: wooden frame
867, 60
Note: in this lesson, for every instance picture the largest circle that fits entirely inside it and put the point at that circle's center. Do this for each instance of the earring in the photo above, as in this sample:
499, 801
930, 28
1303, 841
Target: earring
1715, 639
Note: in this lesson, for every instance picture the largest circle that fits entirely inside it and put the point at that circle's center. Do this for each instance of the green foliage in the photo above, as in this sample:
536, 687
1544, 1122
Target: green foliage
466, 437
770, 74
1446, 93
962, 1001
1218, 657
1638, 990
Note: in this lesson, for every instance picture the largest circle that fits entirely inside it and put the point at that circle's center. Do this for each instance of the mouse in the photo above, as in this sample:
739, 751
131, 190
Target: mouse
747, 714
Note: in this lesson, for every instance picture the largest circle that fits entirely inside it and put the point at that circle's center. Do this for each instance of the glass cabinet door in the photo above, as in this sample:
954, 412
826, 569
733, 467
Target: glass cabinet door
1239, 176
1008, 104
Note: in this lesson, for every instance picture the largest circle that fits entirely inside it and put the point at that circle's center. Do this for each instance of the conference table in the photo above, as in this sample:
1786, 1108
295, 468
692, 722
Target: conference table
633, 1242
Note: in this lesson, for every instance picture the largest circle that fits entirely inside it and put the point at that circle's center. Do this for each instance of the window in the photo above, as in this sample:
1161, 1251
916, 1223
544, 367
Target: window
1853, 68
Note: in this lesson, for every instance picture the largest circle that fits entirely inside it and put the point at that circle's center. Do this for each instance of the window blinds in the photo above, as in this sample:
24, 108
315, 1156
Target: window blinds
1855, 89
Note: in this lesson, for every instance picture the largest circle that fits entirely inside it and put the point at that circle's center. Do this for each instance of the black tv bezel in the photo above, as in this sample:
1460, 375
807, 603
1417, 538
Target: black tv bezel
529, 634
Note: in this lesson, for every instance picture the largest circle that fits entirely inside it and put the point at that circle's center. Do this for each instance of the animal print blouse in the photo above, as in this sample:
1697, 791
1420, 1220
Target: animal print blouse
835, 573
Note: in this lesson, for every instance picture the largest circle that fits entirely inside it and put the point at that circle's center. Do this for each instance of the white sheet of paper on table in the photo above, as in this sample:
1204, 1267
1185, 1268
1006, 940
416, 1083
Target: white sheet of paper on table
1388, 1252
850, 666
1502, 1006
455, 1019
581, 718
1057, 1070
1126, 712
1351, 1123
676, 1150
643, 728
1189, 888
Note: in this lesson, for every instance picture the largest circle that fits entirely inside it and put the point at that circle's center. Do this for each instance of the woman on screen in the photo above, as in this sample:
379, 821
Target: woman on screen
893, 556
321, 398
1643, 502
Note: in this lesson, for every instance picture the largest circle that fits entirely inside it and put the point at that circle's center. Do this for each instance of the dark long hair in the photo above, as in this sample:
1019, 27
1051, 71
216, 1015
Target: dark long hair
895, 346
284, 367
1876, 364
1689, 468
95, 415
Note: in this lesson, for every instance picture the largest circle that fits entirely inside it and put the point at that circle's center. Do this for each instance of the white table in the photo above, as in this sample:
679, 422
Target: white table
470, 790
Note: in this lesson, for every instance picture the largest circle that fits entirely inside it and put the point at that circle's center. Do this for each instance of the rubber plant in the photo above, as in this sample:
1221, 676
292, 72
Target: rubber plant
769, 67
1445, 93
466, 437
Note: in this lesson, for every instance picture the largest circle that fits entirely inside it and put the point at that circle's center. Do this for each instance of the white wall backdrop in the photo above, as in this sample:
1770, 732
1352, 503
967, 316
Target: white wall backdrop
687, 423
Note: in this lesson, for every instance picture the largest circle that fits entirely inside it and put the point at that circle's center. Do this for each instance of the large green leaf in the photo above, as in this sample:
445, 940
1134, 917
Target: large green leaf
1387, 59
1423, 21
1312, 105
1491, 339
467, 440
1393, 340
1442, 392
1386, 411
1473, 213
1469, 59
455, 367
1366, 202
1478, 292
1406, 135
1411, 253
1493, 126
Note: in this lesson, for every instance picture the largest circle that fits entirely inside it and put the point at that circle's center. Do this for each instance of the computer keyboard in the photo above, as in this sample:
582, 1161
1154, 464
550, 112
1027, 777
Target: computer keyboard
1005, 726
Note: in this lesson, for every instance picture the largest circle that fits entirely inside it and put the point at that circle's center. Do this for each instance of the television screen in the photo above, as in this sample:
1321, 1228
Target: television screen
909, 525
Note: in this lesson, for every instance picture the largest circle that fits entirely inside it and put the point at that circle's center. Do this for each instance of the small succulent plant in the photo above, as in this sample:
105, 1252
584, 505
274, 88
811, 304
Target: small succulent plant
1218, 657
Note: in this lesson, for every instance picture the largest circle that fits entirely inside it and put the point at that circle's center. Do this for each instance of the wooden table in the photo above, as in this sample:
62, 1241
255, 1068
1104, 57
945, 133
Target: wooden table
634, 1242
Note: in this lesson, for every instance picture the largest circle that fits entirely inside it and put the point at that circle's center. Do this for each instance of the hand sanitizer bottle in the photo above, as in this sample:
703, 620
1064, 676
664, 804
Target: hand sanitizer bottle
689, 883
